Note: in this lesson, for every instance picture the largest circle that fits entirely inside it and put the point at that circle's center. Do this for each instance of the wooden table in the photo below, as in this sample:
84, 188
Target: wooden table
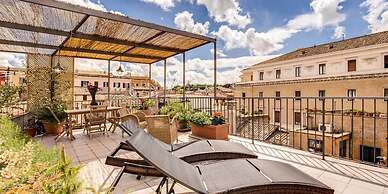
73, 117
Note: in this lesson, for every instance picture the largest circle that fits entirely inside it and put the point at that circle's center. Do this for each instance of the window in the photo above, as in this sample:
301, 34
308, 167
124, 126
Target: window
143, 84
277, 93
351, 93
321, 93
369, 153
385, 61
124, 85
84, 97
352, 65
297, 71
322, 69
278, 72
297, 118
84, 83
118, 84
128, 85
315, 145
251, 77
96, 83
342, 149
277, 116
260, 94
105, 84
243, 95
385, 92
137, 84
261, 76
297, 94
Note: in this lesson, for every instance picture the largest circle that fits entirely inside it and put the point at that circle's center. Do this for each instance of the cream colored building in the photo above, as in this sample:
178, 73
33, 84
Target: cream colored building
356, 67
14, 76
126, 85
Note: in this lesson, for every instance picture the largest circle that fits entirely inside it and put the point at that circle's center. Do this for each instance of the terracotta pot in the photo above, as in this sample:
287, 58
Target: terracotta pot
183, 126
31, 131
211, 131
52, 127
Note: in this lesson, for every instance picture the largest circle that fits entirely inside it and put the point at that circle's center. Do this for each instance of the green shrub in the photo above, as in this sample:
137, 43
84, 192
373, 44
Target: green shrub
201, 118
26, 166
43, 113
179, 111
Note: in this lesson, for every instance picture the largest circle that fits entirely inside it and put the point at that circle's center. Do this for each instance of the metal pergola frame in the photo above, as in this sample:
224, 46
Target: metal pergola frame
74, 33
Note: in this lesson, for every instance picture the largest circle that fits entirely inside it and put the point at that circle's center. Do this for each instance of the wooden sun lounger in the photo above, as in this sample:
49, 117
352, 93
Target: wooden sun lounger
196, 151
229, 176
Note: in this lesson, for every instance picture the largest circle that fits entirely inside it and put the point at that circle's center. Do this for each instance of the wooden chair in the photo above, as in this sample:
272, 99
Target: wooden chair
142, 119
116, 119
162, 128
95, 121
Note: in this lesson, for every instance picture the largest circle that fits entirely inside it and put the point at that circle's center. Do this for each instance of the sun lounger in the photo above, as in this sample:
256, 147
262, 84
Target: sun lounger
195, 151
229, 176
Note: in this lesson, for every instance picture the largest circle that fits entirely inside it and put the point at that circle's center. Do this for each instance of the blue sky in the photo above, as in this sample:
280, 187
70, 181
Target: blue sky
248, 31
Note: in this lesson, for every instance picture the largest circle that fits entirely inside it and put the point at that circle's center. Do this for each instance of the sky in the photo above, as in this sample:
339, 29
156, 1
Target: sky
248, 31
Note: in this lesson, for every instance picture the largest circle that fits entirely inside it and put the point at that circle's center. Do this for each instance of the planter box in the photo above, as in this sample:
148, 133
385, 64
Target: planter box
52, 128
220, 132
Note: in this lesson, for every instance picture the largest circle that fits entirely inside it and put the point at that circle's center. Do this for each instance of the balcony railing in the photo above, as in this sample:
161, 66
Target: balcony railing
354, 128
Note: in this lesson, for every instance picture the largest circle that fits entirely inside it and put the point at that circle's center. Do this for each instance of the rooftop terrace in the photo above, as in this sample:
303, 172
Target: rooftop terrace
341, 175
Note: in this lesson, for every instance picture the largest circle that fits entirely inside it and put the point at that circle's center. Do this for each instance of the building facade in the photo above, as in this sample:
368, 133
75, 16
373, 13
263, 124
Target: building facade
356, 67
124, 86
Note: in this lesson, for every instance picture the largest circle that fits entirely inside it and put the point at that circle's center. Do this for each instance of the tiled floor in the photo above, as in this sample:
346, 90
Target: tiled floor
343, 176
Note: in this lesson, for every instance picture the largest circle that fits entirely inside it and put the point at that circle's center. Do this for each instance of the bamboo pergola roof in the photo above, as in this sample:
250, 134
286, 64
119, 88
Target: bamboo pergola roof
57, 28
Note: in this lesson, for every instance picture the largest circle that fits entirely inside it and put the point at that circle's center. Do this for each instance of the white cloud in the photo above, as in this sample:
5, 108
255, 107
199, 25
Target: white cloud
201, 71
324, 13
12, 59
220, 53
226, 11
377, 14
91, 5
184, 21
339, 32
164, 4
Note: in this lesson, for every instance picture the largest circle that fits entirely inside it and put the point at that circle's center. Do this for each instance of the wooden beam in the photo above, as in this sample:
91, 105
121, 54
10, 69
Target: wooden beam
115, 17
45, 46
80, 35
72, 32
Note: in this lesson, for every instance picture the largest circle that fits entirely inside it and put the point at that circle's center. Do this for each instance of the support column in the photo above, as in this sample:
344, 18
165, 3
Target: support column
215, 69
109, 103
184, 78
149, 81
164, 80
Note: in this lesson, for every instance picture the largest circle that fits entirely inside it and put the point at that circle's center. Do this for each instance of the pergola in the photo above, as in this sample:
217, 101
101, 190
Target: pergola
59, 29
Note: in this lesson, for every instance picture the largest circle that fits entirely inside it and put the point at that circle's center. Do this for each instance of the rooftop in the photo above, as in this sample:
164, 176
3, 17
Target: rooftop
341, 175
351, 43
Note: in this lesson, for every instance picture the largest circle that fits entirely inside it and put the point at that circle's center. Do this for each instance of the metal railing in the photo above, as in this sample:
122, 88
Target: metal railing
354, 128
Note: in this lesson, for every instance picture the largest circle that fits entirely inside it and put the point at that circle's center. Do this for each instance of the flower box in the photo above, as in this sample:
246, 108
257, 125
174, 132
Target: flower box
219, 132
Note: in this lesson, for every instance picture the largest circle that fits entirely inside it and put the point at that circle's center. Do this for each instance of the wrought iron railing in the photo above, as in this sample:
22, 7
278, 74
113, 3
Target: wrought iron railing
354, 128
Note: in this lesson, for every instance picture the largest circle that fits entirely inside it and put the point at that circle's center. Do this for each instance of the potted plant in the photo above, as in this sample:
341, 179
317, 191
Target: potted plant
209, 127
50, 123
181, 113
93, 91
146, 105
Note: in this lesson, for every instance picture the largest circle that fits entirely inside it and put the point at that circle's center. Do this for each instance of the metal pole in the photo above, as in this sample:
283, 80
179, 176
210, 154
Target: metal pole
164, 80
149, 81
108, 82
7, 76
215, 69
184, 78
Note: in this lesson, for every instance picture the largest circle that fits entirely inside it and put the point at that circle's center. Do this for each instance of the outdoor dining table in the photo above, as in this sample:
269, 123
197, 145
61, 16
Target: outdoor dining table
73, 121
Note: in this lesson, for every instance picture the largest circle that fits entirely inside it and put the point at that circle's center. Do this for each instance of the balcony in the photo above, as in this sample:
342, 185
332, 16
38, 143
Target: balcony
343, 176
